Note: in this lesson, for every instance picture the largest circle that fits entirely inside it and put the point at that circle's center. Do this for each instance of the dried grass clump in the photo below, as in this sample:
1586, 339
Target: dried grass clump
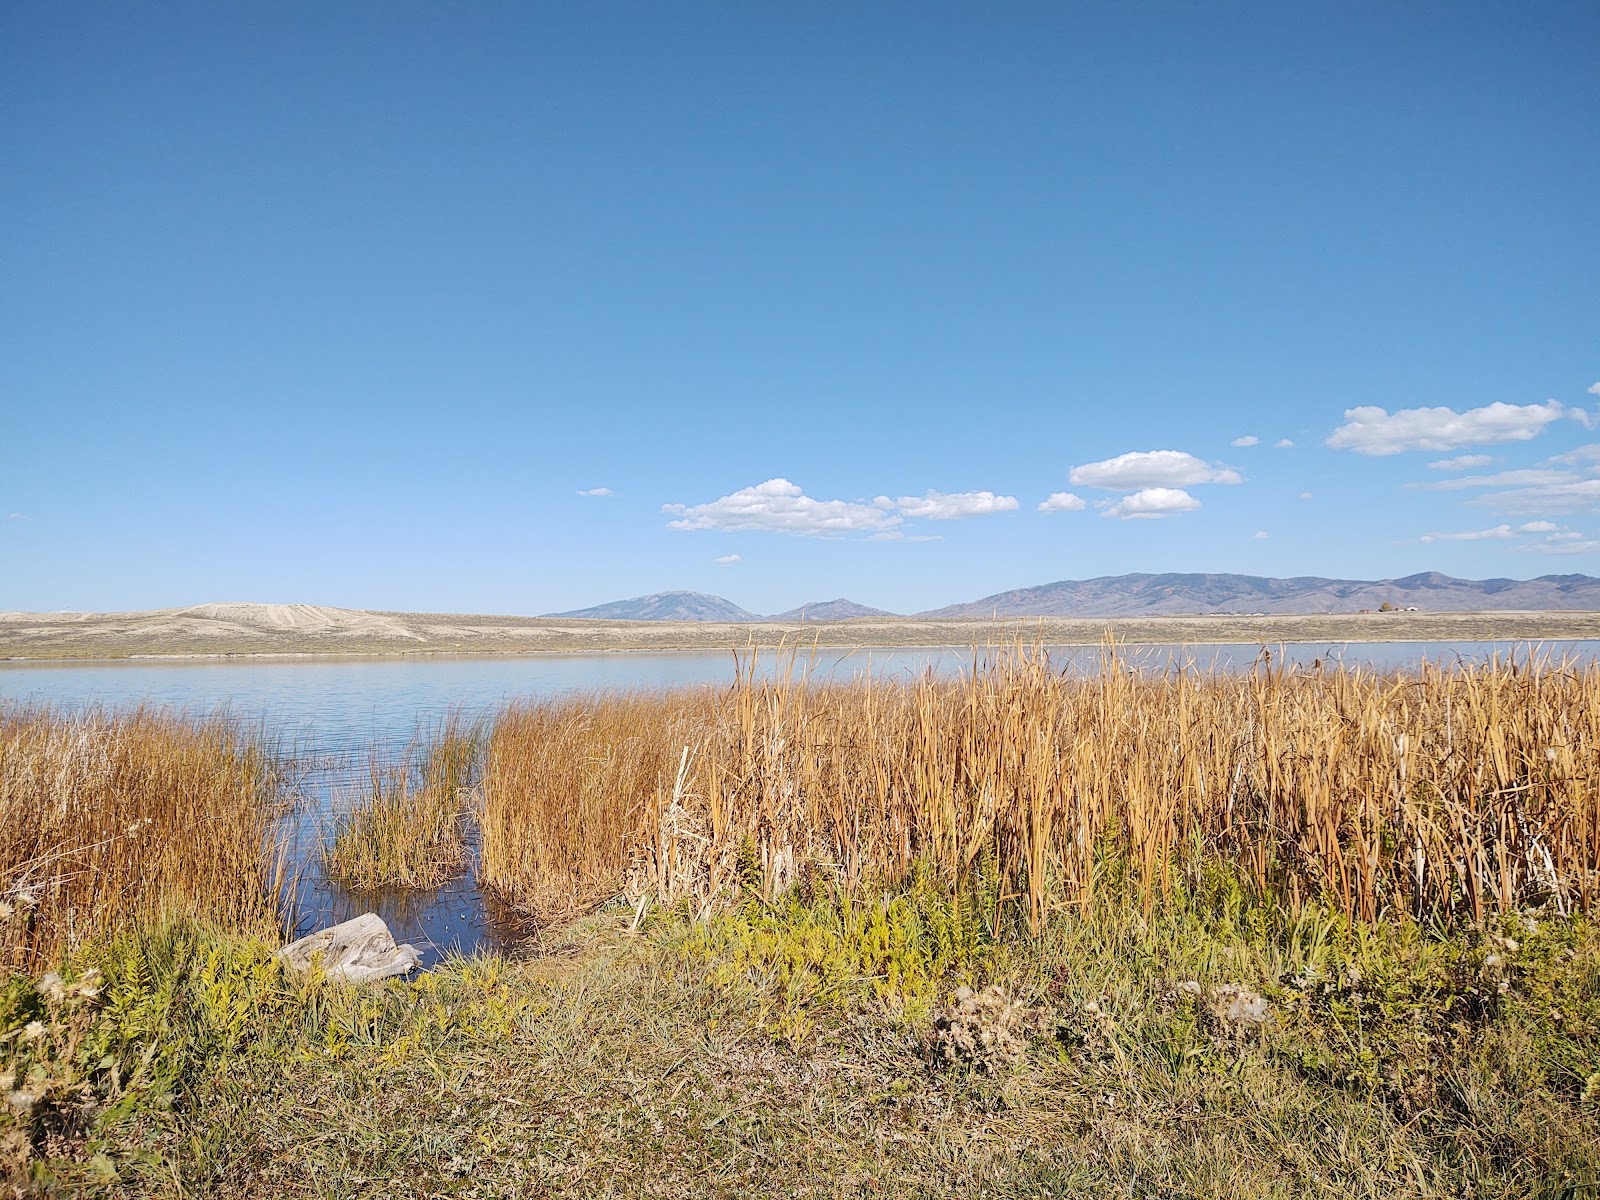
110, 819
988, 1030
1436, 794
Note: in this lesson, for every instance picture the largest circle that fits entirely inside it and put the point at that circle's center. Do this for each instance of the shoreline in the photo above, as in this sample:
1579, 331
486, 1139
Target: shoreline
178, 636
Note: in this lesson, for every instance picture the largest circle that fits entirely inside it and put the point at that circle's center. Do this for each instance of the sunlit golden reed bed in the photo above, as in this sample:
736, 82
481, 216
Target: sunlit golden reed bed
1437, 794
109, 820
1441, 795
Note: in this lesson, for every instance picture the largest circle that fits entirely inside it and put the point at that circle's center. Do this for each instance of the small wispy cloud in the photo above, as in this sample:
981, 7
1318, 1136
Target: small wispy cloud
1565, 496
1061, 502
1537, 527
728, 560
1471, 535
1522, 477
1305, 495
1594, 389
1152, 503
899, 535
1259, 535
18, 517
1562, 544
600, 491
1283, 444
1461, 462
1248, 439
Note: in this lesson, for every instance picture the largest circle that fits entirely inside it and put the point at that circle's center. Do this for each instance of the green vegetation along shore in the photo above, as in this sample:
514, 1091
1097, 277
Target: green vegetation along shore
1282, 933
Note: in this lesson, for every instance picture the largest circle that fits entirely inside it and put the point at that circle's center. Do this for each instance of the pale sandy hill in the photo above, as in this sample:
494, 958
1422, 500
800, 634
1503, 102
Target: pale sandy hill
309, 619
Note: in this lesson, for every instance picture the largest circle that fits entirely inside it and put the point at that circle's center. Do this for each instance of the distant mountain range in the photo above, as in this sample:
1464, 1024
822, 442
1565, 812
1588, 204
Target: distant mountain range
665, 606
830, 610
1164, 595
697, 606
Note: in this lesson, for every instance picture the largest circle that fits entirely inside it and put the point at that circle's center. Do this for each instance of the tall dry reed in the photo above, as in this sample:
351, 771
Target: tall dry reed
568, 786
109, 819
1436, 793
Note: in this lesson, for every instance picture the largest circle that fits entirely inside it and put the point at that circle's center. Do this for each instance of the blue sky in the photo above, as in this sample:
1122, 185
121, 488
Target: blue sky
522, 307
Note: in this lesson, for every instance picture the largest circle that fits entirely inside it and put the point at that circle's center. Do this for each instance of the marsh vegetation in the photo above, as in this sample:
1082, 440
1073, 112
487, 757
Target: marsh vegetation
1280, 933
408, 827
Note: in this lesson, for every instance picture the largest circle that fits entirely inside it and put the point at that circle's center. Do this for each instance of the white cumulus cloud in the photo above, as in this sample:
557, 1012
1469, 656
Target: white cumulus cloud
727, 560
778, 506
1283, 444
1594, 389
1060, 502
1537, 527
1461, 462
942, 506
1151, 470
1259, 535
1471, 535
602, 491
1248, 439
1371, 430
1152, 503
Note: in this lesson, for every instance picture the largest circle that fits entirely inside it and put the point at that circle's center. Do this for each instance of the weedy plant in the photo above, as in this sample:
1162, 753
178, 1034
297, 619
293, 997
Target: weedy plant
111, 820
407, 829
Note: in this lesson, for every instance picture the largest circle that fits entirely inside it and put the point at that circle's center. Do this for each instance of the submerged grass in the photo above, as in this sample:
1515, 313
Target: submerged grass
115, 819
406, 830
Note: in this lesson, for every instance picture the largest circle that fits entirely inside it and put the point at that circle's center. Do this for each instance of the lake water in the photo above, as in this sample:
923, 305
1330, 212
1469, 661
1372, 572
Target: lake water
336, 714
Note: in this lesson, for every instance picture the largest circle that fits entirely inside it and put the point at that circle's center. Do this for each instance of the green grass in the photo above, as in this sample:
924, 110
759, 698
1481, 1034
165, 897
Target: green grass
790, 1047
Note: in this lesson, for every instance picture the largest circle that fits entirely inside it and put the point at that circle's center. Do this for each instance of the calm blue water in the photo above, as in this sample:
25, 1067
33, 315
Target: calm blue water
336, 704
336, 714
